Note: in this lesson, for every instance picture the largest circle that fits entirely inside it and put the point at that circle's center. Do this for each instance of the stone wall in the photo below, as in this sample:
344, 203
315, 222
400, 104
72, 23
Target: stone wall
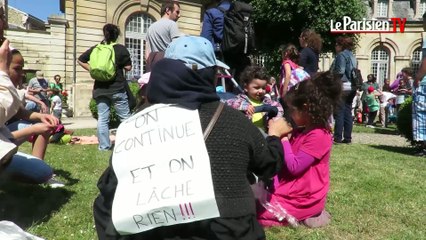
42, 50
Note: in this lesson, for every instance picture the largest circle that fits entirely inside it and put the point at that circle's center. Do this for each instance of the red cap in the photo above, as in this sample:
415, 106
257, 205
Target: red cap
370, 89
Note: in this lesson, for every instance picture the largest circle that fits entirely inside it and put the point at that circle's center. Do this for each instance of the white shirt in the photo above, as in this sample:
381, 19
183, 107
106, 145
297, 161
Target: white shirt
56, 100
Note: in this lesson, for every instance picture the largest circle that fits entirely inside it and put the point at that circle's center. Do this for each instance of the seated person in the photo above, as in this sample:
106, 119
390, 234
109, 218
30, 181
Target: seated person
24, 167
302, 186
254, 80
38, 87
185, 89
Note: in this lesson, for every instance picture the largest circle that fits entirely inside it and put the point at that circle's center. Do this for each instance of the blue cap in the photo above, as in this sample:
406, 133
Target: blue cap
194, 51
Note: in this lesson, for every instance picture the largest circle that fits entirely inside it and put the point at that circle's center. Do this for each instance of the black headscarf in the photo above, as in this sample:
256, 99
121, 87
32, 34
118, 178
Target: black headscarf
171, 81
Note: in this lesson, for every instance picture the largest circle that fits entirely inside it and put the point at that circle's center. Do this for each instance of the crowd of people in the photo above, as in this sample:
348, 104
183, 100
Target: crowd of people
287, 151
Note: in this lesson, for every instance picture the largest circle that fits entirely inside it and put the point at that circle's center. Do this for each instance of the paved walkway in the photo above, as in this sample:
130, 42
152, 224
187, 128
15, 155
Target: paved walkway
380, 139
79, 122
364, 138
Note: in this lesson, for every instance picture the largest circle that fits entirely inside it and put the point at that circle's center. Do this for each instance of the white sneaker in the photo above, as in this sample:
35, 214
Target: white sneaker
54, 183
370, 126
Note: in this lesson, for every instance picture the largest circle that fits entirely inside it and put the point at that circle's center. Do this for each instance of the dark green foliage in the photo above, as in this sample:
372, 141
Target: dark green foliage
281, 21
404, 120
114, 120
29, 76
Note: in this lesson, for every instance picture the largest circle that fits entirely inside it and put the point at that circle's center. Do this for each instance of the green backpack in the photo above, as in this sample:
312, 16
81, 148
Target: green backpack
102, 62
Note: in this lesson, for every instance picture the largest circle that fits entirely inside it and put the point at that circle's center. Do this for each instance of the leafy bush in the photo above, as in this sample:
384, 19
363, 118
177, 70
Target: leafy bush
29, 76
114, 120
404, 120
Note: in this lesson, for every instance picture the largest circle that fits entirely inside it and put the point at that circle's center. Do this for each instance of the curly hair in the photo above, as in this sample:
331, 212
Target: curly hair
290, 51
321, 94
312, 39
253, 72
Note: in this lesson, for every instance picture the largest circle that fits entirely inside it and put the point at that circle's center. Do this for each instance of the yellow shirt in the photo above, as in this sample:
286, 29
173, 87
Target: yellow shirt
257, 118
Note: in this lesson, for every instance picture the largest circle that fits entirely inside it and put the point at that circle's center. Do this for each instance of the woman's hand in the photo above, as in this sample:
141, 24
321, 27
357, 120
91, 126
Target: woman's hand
50, 120
279, 127
41, 128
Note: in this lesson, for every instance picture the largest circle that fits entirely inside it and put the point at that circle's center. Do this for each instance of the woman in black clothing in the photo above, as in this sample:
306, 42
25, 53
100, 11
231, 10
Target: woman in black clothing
311, 44
235, 147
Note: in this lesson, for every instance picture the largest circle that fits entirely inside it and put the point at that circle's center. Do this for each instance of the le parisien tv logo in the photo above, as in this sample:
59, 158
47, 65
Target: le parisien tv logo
347, 25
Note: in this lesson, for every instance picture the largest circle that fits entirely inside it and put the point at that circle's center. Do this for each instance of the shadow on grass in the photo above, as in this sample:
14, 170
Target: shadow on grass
395, 149
26, 204
386, 131
69, 181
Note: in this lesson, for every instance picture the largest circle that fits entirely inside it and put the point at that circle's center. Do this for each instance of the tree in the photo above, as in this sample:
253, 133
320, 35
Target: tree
281, 21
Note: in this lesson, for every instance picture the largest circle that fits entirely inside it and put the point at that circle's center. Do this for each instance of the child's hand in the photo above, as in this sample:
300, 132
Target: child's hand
279, 127
250, 110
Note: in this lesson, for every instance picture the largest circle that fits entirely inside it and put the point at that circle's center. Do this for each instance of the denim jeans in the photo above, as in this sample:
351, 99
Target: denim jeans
32, 106
27, 168
371, 117
103, 103
19, 125
343, 120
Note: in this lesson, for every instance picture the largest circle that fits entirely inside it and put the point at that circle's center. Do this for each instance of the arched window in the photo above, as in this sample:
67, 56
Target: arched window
136, 28
416, 59
380, 64
382, 8
422, 7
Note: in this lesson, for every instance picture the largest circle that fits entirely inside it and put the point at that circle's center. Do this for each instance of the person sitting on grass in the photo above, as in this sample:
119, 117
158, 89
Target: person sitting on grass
183, 84
15, 165
254, 81
25, 124
302, 186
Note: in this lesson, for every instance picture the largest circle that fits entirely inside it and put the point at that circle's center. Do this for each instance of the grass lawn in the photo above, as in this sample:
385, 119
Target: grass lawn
377, 192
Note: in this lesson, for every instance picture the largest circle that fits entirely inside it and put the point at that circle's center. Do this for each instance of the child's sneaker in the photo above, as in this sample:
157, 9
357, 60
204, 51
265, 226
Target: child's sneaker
54, 183
370, 126
319, 221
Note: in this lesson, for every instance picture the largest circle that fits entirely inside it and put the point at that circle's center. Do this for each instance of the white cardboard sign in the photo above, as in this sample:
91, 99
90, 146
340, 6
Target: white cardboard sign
163, 171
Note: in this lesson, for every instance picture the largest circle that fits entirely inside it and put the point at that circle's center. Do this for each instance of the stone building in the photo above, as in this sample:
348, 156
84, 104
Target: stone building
41, 43
18, 19
385, 54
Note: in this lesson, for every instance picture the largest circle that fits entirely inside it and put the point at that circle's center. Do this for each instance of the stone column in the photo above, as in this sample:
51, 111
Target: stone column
417, 13
390, 10
375, 2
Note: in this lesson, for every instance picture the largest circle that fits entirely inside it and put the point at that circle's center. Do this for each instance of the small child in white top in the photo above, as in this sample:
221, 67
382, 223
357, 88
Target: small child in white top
56, 103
